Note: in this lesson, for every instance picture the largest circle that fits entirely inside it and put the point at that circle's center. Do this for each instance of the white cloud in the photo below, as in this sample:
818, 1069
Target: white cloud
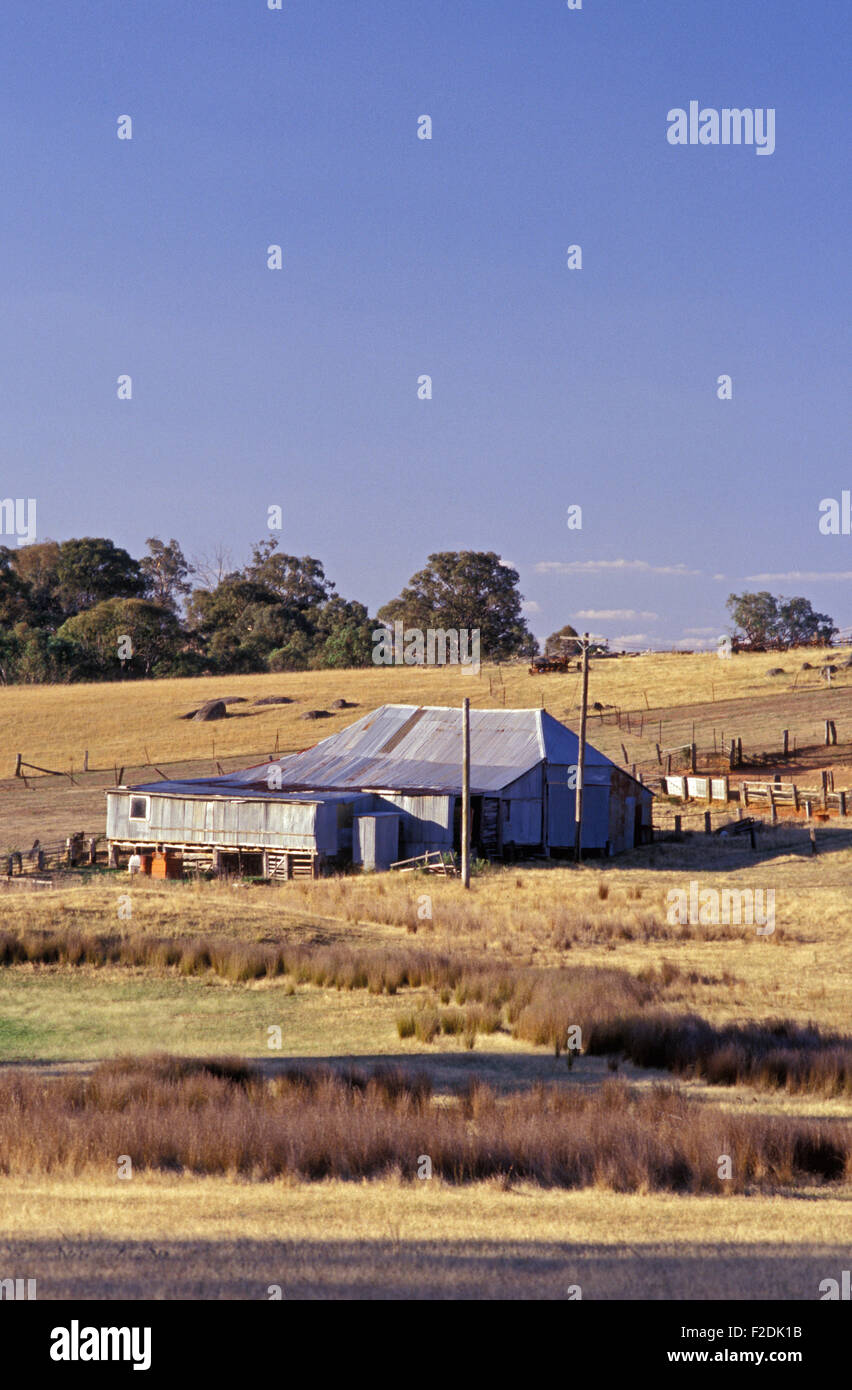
629, 639
530, 606
613, 614
699, 631
791, 575
589, 566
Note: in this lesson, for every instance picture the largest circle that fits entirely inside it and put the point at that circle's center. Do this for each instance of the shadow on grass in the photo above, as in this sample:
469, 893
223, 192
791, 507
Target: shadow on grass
396, 1268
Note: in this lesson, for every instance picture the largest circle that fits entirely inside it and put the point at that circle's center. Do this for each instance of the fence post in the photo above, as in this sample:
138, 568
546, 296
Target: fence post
677, 820
812, 837
18, 772
659, 754
693, 756
743, 793
824, 789
732, 756
707, 823
739, 752
842, 796
786, 742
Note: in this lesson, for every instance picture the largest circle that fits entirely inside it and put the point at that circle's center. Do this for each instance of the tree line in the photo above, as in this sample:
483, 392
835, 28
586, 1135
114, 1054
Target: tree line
85, 609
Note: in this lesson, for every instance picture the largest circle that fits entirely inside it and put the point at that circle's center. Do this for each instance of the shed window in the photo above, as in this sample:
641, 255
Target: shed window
139, 808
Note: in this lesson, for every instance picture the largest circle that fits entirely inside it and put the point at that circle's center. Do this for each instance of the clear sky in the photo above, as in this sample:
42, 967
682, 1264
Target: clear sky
403, 257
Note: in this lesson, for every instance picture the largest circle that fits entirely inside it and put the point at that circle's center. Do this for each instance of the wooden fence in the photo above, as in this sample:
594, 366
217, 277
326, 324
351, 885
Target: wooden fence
72, 852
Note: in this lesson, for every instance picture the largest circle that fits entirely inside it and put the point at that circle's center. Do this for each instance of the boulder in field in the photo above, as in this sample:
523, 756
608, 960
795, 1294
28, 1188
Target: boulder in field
315, 714
213, 709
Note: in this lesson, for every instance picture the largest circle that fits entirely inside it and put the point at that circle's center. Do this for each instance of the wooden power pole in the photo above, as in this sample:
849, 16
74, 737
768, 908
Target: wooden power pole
465, 816
581, 753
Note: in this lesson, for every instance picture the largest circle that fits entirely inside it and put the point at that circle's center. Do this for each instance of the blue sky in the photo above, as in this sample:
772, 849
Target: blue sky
447, 257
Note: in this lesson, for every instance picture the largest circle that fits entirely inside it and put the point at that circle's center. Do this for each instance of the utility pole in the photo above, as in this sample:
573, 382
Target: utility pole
465, 816
581, 754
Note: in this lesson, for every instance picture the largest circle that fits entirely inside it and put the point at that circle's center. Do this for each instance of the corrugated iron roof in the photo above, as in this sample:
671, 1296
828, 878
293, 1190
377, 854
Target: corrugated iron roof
224, 788
418, 748
409, 748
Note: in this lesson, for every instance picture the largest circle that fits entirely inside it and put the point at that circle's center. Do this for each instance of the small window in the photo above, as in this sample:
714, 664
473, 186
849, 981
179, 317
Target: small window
139, 808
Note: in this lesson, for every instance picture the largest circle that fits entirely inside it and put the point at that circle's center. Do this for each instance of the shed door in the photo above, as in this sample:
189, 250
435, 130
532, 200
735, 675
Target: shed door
489, 830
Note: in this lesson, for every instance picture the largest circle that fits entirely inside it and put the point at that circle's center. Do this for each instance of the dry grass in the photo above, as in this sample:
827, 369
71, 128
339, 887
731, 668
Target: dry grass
225, 1117
165, 1236
52, 725
540, 1006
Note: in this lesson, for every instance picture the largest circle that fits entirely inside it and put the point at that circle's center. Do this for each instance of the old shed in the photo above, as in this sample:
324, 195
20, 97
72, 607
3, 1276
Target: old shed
318, 809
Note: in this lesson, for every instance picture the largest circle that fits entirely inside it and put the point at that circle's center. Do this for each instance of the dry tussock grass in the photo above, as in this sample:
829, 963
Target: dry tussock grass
223, 1117
541, 1006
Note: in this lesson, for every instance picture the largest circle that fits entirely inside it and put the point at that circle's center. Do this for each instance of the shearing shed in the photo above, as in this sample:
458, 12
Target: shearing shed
387, 788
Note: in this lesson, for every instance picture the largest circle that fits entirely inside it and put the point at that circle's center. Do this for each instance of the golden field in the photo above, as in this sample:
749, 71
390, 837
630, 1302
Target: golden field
134, 723
168, 1235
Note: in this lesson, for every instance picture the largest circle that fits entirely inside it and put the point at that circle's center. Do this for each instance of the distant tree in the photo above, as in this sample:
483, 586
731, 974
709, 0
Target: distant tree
756, 616
153, 630
14, 592
565, 642
36, 566
343, 635
279, 613
211, 568
299, 583
46, 659
166, 571
238, 623
467, 589
92, 569
767, 622
800, 626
